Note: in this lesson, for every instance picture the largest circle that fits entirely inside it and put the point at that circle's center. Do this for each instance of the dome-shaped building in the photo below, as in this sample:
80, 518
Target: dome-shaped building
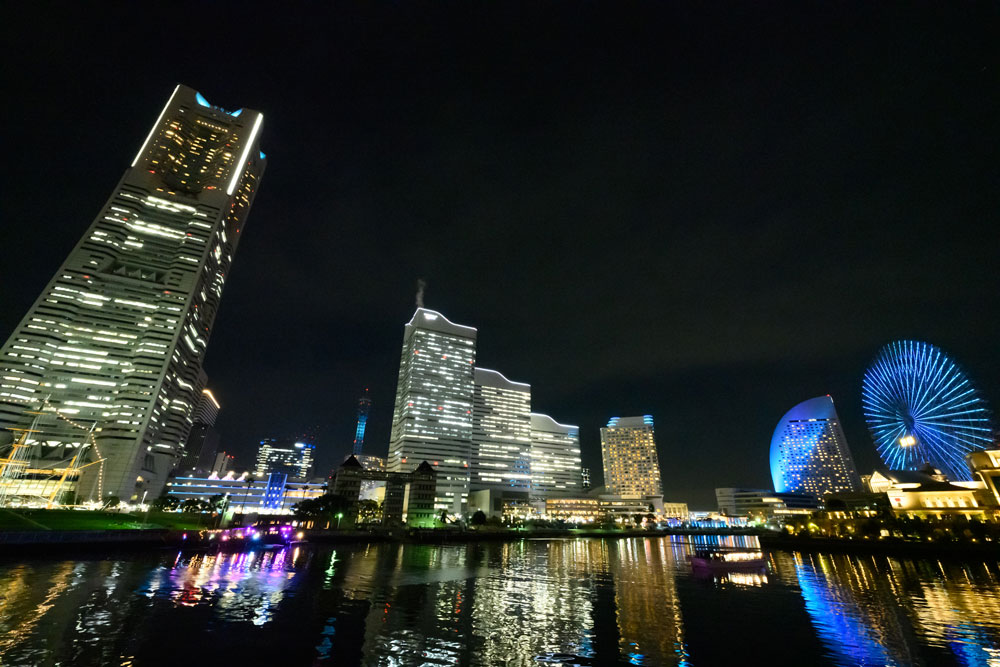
809, 452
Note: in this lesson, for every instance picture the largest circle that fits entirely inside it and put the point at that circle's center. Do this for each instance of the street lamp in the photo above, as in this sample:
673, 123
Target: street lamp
340, 515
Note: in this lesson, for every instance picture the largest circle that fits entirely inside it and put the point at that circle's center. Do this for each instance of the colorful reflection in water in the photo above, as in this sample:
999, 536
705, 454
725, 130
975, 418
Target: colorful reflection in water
529, 602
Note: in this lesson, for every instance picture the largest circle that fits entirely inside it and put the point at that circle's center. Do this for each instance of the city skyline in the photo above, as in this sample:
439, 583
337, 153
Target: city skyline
518, 192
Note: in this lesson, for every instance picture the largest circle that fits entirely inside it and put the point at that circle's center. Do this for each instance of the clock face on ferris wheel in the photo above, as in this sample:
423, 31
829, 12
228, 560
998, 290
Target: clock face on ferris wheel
921, 408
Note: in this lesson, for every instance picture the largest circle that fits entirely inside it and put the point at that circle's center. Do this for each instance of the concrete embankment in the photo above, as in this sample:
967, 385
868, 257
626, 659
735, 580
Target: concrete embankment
49, 540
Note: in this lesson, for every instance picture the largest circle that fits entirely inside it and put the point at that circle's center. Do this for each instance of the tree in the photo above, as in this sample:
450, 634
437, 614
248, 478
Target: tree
194, 505
218, 502
637, 519
478, 519
369, 511
165, 504
112, 501
325, 508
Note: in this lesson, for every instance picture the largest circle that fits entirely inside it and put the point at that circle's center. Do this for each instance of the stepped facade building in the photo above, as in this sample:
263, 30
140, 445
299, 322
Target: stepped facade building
111, 352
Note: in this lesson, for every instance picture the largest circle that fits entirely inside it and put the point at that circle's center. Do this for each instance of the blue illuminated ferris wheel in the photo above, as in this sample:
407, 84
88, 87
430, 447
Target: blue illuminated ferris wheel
921, 408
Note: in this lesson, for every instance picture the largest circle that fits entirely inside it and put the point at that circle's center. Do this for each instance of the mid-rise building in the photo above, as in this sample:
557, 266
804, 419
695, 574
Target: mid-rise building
409, 496
555, 457
364, 411
763, 503
501, 433
631, 466
113, 346
432, 416
223, 464
294, 459
245, 493
809, 452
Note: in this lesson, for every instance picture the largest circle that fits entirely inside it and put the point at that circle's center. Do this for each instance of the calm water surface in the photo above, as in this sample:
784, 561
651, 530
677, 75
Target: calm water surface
532, 602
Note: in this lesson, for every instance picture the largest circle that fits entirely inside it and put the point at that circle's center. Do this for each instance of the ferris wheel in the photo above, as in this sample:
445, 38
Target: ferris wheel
921, 408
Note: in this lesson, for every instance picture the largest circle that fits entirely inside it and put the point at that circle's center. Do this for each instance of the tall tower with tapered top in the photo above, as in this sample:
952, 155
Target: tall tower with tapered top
114, 345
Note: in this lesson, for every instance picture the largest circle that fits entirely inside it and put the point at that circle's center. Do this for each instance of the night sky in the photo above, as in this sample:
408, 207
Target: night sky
702, 212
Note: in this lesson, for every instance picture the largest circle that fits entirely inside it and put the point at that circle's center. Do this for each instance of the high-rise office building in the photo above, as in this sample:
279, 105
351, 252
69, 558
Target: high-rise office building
364, 410
115, 342
203, 440
501, 433
631, 466
432, 416
555, 457
294, 459
809, 452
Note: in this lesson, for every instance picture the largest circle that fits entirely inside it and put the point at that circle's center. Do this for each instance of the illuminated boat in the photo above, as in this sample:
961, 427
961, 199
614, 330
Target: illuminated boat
254, 537
727, 560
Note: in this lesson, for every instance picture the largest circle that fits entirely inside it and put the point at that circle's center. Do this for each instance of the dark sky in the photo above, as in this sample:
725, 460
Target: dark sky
707, 213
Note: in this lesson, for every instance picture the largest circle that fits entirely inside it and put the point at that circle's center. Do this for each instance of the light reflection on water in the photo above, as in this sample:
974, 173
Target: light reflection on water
529, 602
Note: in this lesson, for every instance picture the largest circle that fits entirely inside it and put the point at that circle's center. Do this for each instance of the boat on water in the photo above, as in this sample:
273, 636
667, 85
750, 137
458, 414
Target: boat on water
727, 560
258, 537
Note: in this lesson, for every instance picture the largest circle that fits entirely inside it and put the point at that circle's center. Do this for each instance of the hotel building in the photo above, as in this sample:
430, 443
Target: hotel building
111, 351
432, 416
809, 452
631, 467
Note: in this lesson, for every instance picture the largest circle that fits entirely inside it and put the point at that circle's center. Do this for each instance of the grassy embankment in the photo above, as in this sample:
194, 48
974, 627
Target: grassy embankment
39, 519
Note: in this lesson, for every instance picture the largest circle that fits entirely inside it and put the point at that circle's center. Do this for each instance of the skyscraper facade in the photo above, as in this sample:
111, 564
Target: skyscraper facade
631, 466
294, 459
809, 452
364, 410
203, 440
555, 457
501, 433
115, 342
432, 416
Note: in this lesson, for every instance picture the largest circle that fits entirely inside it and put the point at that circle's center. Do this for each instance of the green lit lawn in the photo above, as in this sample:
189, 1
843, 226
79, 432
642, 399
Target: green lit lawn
29, 519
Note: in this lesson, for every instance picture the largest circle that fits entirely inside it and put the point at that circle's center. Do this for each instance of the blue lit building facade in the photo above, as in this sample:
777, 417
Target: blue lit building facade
273, 494
809, 452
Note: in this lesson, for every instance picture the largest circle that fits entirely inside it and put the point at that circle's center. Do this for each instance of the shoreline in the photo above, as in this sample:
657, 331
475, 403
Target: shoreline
31, 543
884, 547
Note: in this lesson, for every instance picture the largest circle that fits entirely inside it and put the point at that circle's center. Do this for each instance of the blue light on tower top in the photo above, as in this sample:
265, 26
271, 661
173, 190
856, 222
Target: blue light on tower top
613, 422
200, 99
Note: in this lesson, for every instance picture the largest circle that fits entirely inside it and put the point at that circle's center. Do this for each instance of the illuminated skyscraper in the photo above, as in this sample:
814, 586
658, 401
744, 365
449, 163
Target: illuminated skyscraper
631, 467
501, 433
203, 439
809, 452
432, 418
116, 340
294, 459
364, 410
555, 457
